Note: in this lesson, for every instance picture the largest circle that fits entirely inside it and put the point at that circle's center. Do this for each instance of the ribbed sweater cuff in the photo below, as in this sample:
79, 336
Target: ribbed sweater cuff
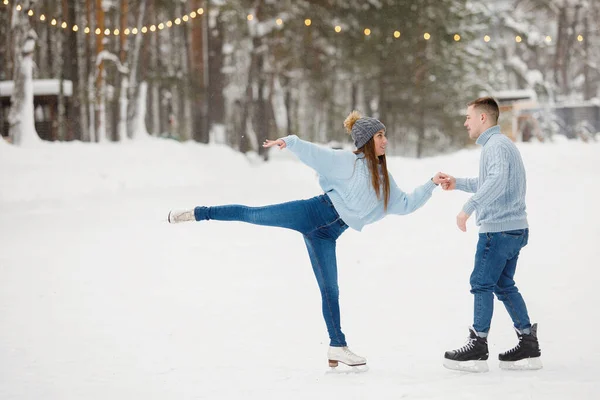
469, 207
430, 185
461, 184
290, 140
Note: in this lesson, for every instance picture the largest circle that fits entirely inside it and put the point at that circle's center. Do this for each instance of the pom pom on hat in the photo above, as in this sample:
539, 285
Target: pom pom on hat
362, 129
350, 120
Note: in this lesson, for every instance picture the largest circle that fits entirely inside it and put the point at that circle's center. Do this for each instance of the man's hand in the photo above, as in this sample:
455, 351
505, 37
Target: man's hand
440, 178
270, 143
461, 220
449, 183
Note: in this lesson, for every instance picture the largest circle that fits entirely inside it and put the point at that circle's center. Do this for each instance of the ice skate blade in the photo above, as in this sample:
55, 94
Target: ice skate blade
467, 366
526, 364
346, 369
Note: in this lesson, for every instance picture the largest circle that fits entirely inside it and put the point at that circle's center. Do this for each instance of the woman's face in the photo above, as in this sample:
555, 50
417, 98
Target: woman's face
380, 143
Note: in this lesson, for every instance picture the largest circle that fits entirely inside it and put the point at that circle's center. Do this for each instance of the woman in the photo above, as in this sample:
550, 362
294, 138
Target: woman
358, 191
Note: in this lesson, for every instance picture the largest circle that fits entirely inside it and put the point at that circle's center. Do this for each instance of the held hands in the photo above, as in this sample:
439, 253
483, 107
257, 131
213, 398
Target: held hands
440, 178
270, 143
449, 183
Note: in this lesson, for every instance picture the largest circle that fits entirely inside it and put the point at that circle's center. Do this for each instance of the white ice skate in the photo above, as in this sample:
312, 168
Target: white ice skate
345, 356
177, 216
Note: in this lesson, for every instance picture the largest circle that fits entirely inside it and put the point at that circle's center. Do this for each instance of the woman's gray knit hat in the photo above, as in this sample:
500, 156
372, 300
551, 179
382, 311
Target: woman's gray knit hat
362, 129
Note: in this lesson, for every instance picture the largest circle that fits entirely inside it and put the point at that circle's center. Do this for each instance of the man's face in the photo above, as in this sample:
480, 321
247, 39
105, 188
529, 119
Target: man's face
474, 122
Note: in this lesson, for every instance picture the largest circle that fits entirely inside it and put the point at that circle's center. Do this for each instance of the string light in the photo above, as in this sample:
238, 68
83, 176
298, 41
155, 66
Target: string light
200, 11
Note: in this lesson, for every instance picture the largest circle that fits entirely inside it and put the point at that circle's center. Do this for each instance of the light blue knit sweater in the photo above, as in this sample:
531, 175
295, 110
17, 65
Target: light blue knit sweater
346, 179
501, 186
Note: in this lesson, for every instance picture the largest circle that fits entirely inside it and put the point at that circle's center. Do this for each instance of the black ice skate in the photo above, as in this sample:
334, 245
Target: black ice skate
525, 355
471, 357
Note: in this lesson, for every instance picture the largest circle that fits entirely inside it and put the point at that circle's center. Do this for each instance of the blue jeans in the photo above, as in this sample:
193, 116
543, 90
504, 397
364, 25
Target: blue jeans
495, 265
318, 221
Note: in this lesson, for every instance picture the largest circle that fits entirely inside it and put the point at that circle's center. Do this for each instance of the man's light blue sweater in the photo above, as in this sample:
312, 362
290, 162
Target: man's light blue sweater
346, 179
501, 186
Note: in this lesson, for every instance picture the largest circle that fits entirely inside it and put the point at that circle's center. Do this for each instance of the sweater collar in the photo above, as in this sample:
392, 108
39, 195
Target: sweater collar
487, 134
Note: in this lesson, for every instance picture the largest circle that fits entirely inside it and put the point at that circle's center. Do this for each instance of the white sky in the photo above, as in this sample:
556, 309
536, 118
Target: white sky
100, 298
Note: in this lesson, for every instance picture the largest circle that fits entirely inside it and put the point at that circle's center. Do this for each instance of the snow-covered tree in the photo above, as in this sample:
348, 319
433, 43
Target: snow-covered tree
21, 116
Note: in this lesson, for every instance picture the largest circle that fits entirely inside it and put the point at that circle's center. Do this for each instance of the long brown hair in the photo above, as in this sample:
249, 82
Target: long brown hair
373, 162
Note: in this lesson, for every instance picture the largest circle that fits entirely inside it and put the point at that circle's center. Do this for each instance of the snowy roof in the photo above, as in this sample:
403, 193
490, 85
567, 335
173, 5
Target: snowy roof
41, 87
517, 94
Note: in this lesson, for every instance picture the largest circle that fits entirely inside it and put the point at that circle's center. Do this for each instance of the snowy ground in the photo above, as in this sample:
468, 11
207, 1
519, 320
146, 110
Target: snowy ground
100, 298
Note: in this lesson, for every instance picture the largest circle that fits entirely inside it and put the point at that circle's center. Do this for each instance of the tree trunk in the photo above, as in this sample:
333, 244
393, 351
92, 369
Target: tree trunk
186, 107
121, 108
199, 74
134, 57
21, 116
140, 131
100, 76
588, 91
155, 119
217, 79
89, 73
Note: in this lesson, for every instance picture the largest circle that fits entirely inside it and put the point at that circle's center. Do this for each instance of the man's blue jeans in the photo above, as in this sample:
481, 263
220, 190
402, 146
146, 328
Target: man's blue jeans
319, 223
495, 265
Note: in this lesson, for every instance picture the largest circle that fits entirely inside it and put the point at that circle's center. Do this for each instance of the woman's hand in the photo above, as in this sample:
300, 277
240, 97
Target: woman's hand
270, 143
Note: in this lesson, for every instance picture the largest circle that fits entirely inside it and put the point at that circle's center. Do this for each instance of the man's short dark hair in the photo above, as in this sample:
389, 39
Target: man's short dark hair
489, 106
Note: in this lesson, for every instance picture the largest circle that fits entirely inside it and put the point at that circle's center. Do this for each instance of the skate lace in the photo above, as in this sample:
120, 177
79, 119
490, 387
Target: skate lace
517, 347
349, 353
468, 346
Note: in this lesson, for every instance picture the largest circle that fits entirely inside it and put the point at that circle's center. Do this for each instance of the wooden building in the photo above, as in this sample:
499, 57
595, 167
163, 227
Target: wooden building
45, 100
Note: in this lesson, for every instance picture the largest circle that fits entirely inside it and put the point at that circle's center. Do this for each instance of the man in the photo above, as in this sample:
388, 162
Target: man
499, 200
